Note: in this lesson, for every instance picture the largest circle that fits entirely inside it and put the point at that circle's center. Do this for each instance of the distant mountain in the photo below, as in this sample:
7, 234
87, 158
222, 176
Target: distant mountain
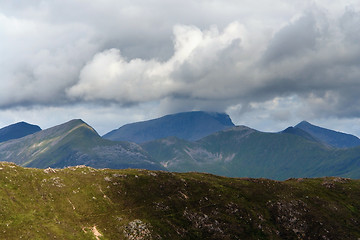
188, 126
234, 151
86, 203
74, 143
300, 132
17, 130
245, 152
329, 137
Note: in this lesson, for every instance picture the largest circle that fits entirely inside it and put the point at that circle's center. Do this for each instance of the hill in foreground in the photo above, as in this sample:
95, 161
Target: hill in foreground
86, 203
190, 126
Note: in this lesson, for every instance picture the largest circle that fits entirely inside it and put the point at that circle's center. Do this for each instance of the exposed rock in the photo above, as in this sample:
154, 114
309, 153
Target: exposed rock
49, 170
137, 230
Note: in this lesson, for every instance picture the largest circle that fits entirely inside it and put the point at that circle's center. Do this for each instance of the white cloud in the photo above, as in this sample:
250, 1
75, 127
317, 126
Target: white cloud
39, 60
191, 71
183, 55
312, 57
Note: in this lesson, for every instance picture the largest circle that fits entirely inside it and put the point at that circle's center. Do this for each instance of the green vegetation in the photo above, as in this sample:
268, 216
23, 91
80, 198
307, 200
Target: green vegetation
74, 143
234, 152
244, 152
87, 203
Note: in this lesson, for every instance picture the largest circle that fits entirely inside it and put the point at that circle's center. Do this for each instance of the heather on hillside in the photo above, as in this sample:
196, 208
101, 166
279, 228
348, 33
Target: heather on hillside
87, 203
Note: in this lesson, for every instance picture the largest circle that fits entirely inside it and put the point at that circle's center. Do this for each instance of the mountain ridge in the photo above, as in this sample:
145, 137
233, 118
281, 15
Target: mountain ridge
17, 130
74, 143
328, 136
245, 152
186, 125
236, 151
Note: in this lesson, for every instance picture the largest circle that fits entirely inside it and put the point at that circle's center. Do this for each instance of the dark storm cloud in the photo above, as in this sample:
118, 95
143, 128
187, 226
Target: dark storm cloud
210, 55
316, 59
293, 40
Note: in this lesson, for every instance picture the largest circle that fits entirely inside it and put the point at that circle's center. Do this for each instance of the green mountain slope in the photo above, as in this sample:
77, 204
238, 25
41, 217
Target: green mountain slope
244, 152
74, 143
301, 133
87, 203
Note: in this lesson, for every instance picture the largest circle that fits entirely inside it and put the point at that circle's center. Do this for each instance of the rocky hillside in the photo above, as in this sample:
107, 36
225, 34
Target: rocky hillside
86, 203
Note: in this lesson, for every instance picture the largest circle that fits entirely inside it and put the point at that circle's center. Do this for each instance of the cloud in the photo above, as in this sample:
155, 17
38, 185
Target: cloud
284, 61
191, 72
38, 60
313, 57
293, 40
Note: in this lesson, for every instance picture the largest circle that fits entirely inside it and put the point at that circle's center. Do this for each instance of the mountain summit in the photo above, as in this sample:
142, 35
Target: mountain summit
329, 137
17, 130
74, 143
189, 126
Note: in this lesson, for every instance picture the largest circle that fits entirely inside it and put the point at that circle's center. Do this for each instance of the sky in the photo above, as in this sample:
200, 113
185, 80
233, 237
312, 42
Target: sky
268, 64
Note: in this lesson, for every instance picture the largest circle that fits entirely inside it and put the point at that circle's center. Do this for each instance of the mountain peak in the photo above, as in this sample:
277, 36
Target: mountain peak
300, 132
74, 143
190, 126
17, 130
303, 123
329, 137
75, 123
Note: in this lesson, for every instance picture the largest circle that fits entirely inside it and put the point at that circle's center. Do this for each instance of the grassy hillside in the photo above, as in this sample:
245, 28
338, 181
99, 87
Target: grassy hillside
74, 143
244, 152
87, 203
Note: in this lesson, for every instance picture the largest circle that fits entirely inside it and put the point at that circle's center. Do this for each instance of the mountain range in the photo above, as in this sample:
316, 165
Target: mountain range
245, 152
193, 141
74, 143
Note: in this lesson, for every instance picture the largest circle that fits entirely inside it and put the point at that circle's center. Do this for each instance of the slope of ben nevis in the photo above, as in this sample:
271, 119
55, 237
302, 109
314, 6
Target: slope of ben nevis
187, 125
74, 143
244, 152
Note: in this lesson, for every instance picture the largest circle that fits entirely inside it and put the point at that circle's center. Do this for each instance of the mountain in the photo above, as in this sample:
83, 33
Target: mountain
234, 152
301, 133
74, 143
86, 203
17, 130
187, 125
329, 137
245, 152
